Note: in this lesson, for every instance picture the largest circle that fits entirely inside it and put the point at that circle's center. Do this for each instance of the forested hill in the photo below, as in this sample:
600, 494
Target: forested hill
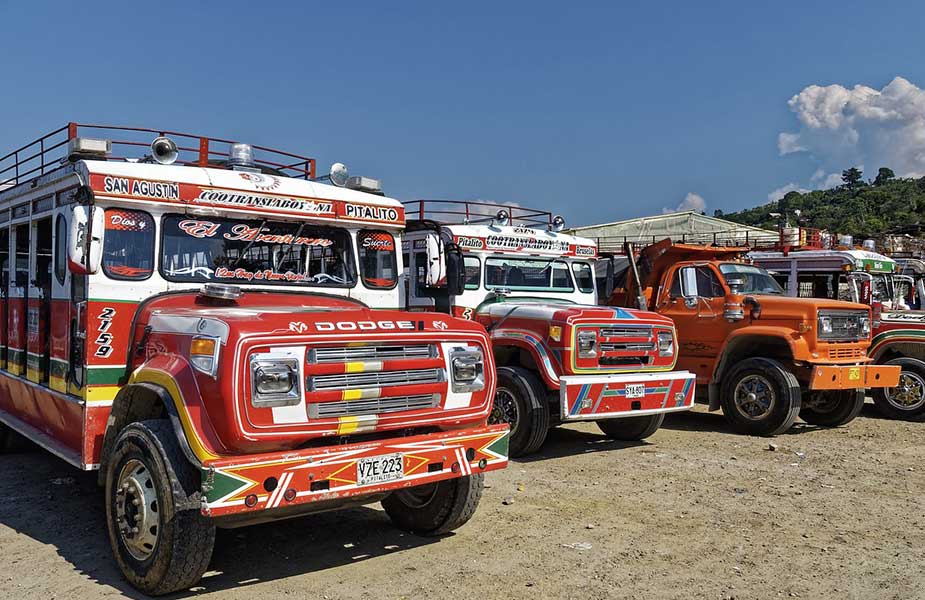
859, 207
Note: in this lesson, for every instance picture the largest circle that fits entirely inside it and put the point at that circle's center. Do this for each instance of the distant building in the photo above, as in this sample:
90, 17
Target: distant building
688, 226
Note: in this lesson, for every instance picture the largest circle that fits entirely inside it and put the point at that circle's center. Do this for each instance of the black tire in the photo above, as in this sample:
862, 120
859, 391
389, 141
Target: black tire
148, 455
520, 401
907, 404
832, 408
783, 405
435, 508
631, 429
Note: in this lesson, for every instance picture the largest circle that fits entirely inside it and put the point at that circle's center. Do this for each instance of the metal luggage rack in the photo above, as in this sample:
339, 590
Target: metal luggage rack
806, 239
476, 211
50, 151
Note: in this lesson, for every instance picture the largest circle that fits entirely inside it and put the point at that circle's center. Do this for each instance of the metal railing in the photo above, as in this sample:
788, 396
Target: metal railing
474, 211
791, 239
50, 151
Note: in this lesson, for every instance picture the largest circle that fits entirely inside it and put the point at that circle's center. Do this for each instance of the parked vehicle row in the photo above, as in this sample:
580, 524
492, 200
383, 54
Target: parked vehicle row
230, 339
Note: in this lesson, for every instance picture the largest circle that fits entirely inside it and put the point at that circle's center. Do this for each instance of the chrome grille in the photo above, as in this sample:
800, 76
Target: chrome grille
323, 410
626, 332
627, 346
846, 325
374, 379
358, 353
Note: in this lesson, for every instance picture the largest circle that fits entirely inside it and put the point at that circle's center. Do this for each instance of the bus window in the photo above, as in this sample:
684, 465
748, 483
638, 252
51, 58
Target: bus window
60, 249
21, 278
473, 272
583, 276
4, 292
128, 244
378, 267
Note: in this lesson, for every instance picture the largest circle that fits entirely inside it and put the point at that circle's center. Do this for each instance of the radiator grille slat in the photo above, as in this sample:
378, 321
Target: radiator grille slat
360, 353
323, 410
374, 379
626, 332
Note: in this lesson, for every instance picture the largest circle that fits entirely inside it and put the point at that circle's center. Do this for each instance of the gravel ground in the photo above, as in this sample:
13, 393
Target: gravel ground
693, 512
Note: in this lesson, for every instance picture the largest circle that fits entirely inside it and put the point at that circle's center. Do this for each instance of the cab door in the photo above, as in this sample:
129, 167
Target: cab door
694, 300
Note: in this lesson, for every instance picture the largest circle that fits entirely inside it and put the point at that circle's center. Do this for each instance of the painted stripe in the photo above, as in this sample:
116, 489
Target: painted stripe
101, 393
347, 424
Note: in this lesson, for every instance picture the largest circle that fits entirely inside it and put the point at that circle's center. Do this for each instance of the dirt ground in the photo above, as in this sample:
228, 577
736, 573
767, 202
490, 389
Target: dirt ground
694, 512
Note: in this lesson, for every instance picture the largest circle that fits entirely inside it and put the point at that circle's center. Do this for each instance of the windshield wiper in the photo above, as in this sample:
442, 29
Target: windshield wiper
288, 251
248, 246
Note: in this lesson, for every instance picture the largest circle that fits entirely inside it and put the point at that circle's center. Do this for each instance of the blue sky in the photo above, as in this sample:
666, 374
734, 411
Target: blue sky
601, 111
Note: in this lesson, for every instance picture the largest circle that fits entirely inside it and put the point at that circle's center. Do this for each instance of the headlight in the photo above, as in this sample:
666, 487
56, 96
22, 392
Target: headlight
587, 343
665, 343
468, 370
274, 381
865, 326
825, 324
843, 325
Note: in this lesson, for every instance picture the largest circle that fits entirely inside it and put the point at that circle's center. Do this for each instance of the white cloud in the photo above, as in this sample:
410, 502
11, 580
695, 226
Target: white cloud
841, 127
691, 201
784, 190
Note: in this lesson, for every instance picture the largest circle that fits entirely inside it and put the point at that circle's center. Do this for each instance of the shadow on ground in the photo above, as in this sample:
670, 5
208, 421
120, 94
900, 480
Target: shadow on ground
55, 504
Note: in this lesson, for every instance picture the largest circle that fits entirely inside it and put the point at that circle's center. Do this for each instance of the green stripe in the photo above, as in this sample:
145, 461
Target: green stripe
105, 375
500, 446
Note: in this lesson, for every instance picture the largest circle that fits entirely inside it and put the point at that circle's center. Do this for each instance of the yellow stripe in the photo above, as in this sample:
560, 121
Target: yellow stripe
33, 375
347, 424
352, 394
58, 384
162, 379
354, 367
101, 393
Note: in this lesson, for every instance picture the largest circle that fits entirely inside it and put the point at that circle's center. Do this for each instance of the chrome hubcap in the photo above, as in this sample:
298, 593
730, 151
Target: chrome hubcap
504, 409
909, 394
754, 397
137, 518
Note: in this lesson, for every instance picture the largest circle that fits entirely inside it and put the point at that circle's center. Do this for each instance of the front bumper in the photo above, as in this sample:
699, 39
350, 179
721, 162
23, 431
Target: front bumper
241, 484
846, 377
588, 397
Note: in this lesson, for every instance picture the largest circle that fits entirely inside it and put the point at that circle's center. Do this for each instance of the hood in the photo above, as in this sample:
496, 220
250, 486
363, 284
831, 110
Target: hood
786, 307
565, 313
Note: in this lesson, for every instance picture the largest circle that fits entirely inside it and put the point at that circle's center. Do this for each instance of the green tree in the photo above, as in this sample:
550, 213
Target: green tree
852, 177
885, 174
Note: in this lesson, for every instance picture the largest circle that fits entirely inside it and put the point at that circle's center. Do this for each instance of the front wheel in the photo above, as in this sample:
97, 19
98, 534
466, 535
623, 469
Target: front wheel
520, 401
907, 400
760, 397
631, 429
160, 544
832, 408
435, 508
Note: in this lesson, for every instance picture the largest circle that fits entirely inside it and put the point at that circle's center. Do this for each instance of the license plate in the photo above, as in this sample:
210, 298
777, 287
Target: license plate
635, 390
380, 469
854, 374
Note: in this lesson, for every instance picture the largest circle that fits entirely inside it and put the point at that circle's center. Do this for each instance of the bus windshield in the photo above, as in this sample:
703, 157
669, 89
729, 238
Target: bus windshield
527, 274
255, 252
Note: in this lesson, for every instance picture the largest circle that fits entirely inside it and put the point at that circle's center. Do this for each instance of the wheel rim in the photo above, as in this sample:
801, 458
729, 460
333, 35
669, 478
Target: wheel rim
137, 516
418, 496
909, 394
504, 409
754, 397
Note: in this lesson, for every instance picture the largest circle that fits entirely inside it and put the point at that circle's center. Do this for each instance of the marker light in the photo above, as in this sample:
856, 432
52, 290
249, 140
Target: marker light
203, 354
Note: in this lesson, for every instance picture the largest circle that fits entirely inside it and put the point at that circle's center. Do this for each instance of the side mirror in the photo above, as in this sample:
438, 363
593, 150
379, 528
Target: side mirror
435, 274
85, 240
455, 271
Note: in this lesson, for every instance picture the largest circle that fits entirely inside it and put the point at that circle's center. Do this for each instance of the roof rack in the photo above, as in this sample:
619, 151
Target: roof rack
50, 151
788, 239
450, 212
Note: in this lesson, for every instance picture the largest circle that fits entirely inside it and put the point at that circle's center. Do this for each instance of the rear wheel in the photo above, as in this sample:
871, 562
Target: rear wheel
160, 544
907, 400
435, 508
832, 408
520, 401
631, 429
760, 397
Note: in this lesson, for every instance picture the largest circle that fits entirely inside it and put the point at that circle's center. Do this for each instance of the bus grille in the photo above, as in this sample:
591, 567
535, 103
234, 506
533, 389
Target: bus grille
375, 379
374, 406
360, 353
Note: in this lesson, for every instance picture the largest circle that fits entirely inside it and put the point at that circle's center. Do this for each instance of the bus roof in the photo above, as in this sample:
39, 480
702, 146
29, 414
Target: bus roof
520, 240
859, 260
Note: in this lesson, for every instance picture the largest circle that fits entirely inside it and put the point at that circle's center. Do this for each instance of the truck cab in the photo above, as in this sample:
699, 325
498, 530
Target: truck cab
763, 357
889, 287
195, 322
560, 358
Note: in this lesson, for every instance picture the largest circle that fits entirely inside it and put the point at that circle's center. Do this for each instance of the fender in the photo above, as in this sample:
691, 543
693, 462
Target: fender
526, 340
886, 340
175, 375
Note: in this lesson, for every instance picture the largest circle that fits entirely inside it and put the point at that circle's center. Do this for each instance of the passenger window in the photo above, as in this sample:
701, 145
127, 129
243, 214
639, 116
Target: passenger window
22, 256
584, 278
698, 281
473, 268
128, 244
378, 267
60, 249
708, 285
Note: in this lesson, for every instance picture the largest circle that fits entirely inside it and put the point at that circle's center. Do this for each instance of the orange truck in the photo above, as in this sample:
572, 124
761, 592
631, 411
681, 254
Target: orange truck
764, 358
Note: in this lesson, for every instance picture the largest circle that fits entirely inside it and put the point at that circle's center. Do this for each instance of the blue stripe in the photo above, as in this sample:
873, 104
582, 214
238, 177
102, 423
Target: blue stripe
581, 394
687, 387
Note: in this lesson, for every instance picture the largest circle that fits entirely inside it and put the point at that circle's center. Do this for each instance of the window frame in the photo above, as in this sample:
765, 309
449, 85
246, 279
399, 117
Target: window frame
60, 249
478, 262
587, 265
154, 248
360, 276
